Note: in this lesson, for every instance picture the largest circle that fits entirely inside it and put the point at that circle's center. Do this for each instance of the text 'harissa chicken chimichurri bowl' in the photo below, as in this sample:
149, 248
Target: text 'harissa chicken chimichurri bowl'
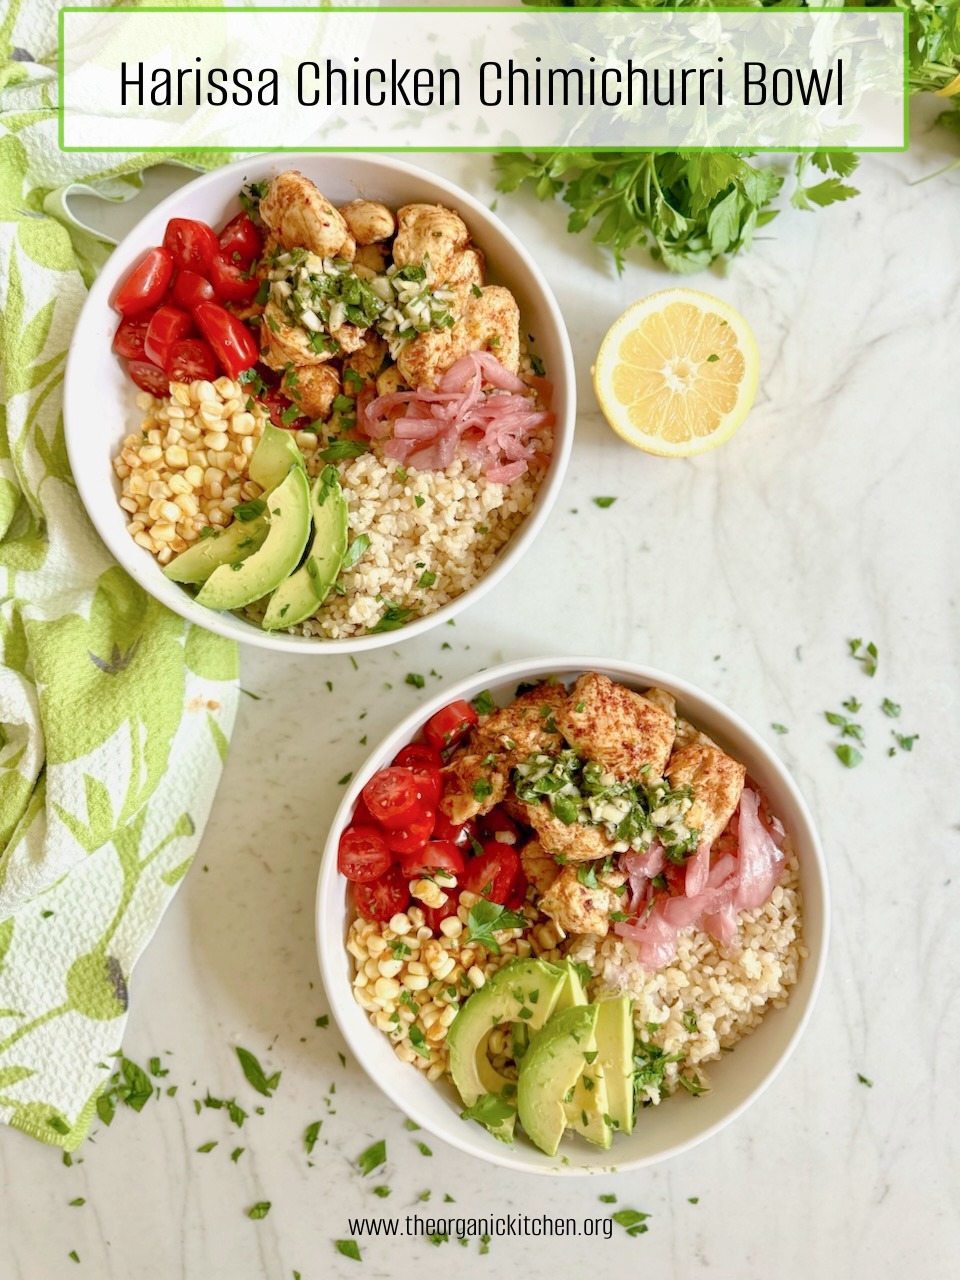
572, 918
336, 401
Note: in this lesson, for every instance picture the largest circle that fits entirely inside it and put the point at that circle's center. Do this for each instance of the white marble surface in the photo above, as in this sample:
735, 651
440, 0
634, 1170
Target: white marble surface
831, 514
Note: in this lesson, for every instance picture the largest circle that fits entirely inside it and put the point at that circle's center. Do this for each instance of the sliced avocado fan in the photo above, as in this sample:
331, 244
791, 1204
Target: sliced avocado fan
302, 594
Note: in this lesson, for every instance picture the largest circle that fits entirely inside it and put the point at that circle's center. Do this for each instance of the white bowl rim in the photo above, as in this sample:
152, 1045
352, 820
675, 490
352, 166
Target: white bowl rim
145, 572
328, 948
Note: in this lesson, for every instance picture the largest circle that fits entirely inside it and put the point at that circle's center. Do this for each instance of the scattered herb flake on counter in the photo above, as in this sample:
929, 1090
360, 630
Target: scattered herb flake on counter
869, 657
411, 1124
609, 1198
76, 1203
779, 728
74, 1255
603, 503
848, 729
311, 1134
255, 1074
424, 1149
693, 1199
864, 1080
236, 1153
889, 708
418, 681
349, 1249
382, 1192
259, 1210
374, 1156
423, 1197
342, 782
323, 1020
207, 1146
632, 1220
905, 742
847, 755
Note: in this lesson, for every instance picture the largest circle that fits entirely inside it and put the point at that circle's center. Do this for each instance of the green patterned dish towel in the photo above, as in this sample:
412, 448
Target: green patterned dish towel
114, 713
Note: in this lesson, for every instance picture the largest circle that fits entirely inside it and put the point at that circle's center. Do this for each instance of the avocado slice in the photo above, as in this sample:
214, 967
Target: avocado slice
522, 991
572, 992
549, 1073
615, 1036
288, 508
231, 545
275, 454
306, 589
587, 1111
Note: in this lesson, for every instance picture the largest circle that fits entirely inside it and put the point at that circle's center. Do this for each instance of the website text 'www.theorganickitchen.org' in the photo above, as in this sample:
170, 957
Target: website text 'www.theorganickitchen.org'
438, 1227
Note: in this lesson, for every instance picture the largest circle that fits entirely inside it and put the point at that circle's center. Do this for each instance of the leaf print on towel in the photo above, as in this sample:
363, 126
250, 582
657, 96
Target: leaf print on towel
43, 240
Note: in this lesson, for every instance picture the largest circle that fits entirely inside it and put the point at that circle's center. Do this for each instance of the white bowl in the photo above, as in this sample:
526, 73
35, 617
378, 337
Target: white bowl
679, 1122
99, 408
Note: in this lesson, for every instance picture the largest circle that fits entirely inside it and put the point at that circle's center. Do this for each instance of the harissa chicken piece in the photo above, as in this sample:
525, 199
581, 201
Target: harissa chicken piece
472, 784
617, 728
298, 215
368, 221
488, 323
576, 907
717, 782
528, 725
312, 388
539, 868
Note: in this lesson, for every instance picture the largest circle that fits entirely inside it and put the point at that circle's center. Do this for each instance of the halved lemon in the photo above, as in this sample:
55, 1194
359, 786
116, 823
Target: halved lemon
677, 373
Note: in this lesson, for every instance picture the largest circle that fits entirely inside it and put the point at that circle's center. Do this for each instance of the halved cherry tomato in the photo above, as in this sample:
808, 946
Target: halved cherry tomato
167, 326
493, 873
518, 894
146, 284
128, 340
436, 855
233, 343
278, 406
393, 797
149, 378
416, 752
447, 830
363, 855
232, 281
362, 815
241, 237
450, 724
424, 763
498, 825
190, 289
383, 898
191, 244
435, 916
191, 359
413, 836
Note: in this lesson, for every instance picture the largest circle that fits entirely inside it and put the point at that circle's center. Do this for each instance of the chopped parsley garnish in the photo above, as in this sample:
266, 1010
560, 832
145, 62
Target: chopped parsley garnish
414, 678
311, 1134
419, 1041
632, 1220
690, 1020
342, 782
381, 1191
692, 1085
259, 1210
889, 708
207, 1146
867, 656
424, 1149
904, 742
852, 705
848, 729
847, 755
374, 1156
356, 549
490, 1110
349, 1249
604, 502
394, 616
255, 1074
418, 499
427, 579
485, 918
779, 728
208, 531
864, 1080
609, 1198
341, 449
481, 789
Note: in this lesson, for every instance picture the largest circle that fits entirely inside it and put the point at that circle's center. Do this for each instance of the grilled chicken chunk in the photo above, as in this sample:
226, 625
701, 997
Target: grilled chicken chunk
312, 388
528, 725
471, 786
575, 907
366, 362
368, 221
539, 868
573, 842
620, 730
717, 782
488, 323
665, 701
298, 215
430, 232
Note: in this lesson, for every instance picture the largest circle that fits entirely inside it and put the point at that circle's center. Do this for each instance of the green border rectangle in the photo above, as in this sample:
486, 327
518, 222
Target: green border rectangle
489, 150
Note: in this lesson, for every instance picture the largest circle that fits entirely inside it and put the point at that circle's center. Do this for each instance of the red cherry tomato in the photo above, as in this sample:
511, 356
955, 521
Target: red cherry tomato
436, 915
241, 237
393, 797
232, 282
383, 898
149, 378
191, 244
234, 345
190, 289
362, 815
146, 284
493, 873
191, 359
518, 894
450, 725
363, 856
167, 326
498, 825
436, 855
426, 770
418, 753
278, 406
413, 836
128, 340
460, 835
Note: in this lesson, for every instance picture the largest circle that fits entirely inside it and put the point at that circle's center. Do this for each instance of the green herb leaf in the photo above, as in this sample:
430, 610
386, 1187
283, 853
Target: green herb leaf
349, 1249
374, 1156
382, 1192
632, 1219
604, 502
207, 1146
311, 1134
483, 703
864, 1080
485, 918
779, 728
414, 678
259, 1210
255, 1074
889, 708
341, 449
847, 755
